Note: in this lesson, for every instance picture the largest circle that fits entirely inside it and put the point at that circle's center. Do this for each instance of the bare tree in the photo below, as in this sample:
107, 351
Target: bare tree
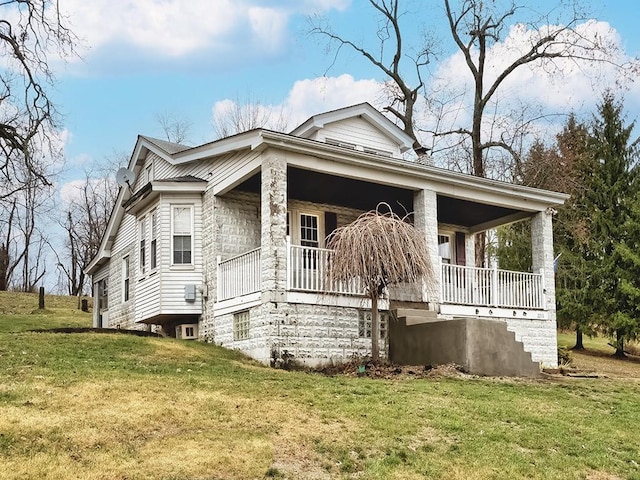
391, 58
240, 115
175, 128
30, 31
23, 242
379, 250
85, 221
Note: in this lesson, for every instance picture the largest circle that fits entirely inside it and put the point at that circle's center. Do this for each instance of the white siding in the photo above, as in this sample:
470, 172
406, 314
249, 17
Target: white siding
359, 132
174, 278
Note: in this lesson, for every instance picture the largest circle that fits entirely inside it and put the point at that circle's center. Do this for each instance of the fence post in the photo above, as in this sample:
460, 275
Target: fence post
218, 279
41, 298
288, 242
494, 285
543, 295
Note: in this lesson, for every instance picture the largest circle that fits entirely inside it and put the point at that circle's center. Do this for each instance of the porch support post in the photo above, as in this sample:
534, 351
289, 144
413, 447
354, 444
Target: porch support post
274, 228
425, 206
542, 257
470, 249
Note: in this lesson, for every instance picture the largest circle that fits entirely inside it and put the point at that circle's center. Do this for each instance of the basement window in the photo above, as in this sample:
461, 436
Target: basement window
241, 325
364, 324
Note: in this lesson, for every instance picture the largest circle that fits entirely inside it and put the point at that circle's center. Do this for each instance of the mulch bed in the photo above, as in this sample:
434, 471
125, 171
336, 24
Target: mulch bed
137, 333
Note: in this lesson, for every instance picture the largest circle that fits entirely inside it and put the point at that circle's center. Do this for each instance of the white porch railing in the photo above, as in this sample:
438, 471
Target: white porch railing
239, 275
307, 272
491, 287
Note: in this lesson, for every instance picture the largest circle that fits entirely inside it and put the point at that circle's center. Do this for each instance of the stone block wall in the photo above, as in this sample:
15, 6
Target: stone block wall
539, 338
310, 334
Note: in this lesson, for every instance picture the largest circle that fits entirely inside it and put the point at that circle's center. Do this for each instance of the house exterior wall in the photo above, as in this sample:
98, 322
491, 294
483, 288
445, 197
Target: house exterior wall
310, 335
174, 278
539, 337
359, 132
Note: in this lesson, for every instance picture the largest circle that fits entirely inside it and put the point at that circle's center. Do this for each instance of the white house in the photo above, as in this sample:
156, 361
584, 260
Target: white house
225, 242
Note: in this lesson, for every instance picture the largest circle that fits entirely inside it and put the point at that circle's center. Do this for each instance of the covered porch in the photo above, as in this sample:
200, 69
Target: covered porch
464, 290
290, 263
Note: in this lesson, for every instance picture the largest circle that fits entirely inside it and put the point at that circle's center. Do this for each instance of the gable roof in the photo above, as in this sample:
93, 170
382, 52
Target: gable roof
168, 147
362, 110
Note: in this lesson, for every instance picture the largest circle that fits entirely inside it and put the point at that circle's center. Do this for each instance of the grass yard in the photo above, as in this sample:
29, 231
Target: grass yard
113, 406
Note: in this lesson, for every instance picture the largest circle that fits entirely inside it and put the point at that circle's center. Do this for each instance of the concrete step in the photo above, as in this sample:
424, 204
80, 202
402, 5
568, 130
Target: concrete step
414, 316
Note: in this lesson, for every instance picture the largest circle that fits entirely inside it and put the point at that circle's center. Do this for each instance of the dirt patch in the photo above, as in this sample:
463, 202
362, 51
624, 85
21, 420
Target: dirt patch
386, 371
137, 333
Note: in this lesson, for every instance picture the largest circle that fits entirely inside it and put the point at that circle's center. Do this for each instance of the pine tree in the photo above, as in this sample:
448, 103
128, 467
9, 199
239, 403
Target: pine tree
608, 199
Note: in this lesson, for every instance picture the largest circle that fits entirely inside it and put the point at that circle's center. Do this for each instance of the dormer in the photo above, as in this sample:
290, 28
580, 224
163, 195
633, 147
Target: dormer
359, 127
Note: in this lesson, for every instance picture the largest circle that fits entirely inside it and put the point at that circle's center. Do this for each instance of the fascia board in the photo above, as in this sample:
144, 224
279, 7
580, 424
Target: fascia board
248, 140
410, 175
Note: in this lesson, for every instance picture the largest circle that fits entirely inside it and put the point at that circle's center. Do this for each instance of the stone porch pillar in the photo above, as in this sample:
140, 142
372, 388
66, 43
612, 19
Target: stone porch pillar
470, 249
425, 207
274, 228
542, 256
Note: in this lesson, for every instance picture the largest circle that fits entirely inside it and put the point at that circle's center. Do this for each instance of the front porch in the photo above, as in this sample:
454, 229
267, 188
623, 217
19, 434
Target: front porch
464, 291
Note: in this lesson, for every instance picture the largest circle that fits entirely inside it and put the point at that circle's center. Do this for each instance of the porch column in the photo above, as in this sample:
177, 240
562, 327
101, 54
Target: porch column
274, 228
542, 256
470, 249
426, 220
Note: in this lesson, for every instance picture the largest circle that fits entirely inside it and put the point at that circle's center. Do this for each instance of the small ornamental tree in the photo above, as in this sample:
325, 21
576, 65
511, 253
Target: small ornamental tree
378, 249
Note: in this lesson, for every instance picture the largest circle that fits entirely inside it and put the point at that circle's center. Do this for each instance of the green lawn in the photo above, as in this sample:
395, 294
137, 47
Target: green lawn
113, 406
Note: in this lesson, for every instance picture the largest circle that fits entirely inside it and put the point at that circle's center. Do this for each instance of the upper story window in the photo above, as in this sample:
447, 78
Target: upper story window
309, 232
182, 235
148, 173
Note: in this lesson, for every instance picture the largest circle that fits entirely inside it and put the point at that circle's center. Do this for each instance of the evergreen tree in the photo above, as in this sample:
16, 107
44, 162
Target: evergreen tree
608, 200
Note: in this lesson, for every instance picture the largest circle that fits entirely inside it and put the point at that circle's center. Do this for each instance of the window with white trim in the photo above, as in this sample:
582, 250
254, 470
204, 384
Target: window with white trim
153, 247
364, 324
309, 230
103, 294
148, 173
125, 279
182, 235
241, 324
142, 257
445, 249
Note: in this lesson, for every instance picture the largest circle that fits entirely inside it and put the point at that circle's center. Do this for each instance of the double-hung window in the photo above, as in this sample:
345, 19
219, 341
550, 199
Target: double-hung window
125, 277
182, 235
153, 254
143, 246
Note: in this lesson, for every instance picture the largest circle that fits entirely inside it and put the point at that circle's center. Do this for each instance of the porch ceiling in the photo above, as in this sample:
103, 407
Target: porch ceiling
320, 187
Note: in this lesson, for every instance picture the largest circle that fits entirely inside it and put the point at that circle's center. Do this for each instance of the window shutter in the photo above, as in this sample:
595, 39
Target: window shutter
461, 252
330, 223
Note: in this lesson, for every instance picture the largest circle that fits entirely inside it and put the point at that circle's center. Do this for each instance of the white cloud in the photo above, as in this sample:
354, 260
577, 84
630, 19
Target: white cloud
306, 98
169, 30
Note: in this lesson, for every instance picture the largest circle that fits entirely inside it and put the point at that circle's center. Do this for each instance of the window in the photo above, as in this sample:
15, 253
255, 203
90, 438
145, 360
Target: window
182, 237
125, 278
153, 261
241, 325
143, 249
364, 324
309, 230
103, 294
189, 332
444, 248
148, 173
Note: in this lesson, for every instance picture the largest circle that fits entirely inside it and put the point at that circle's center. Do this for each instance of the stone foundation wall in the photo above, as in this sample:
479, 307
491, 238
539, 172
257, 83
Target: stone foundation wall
311, 335
539, 337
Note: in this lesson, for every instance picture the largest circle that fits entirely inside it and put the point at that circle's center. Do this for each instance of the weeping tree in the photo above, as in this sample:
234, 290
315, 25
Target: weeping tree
378, 249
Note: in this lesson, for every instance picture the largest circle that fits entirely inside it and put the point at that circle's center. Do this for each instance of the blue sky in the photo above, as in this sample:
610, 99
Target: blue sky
145, 57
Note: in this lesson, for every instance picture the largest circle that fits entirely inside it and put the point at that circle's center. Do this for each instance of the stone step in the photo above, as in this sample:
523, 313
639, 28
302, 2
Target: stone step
412, 312
414, 316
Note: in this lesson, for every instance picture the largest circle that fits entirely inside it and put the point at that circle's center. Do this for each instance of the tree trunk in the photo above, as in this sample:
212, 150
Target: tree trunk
375, 329
619, 344
579, 345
